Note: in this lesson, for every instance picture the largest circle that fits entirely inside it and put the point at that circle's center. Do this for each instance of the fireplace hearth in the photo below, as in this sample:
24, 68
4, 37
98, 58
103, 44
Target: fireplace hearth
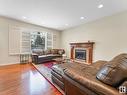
82, 52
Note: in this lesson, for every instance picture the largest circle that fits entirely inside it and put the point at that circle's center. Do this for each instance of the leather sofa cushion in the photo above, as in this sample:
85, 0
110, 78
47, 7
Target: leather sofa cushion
114, 72
38, 52
60, 68
48, 51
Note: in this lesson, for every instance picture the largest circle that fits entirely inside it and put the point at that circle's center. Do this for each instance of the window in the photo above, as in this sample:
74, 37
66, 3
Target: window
22, 40
41, 40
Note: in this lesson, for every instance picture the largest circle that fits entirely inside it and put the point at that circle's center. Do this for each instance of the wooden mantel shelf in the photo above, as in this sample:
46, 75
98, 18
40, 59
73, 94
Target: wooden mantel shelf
82, 43
88, 46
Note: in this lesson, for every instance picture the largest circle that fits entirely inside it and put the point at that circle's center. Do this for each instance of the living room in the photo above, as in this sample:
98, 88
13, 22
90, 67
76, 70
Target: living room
98, 26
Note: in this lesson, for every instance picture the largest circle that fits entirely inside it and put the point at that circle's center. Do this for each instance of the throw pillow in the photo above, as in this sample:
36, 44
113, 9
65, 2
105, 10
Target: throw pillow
54, 51
61, 51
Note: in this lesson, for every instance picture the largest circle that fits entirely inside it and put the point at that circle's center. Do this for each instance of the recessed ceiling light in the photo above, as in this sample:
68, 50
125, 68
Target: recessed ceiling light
100, 6
43, 22
24, 17
57, 27
82, 18
66, 24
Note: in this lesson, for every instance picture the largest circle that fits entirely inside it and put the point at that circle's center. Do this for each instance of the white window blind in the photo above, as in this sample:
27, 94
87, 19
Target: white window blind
14, 38
19, 40
54, 40
49, 41
25, 42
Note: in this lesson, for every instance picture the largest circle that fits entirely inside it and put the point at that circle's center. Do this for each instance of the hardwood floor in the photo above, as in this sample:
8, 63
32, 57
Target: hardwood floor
24, 80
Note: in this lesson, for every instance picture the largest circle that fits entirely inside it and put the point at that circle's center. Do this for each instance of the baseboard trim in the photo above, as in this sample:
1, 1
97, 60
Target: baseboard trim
6, 64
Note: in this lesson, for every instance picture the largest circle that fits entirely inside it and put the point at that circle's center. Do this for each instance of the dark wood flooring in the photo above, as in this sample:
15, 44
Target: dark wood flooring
24, 80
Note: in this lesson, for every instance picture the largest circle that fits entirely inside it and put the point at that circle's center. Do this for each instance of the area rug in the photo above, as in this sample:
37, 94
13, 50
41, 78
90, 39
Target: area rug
45, 70
49, 64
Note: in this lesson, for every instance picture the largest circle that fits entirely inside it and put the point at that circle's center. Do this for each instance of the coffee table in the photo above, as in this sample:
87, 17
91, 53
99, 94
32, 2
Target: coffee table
63, 60
59, 60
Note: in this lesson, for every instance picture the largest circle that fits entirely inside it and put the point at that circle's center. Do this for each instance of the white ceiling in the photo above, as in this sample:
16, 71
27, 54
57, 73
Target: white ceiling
59, 14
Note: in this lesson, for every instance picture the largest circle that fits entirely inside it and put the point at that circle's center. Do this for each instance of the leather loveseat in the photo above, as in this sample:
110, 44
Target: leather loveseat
40, 56
82, 79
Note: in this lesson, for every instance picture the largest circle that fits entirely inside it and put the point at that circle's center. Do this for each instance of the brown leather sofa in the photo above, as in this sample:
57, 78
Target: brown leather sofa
82, 79
41, 56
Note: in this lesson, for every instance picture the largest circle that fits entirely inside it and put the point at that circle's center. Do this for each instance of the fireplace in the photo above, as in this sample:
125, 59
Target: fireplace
82, 52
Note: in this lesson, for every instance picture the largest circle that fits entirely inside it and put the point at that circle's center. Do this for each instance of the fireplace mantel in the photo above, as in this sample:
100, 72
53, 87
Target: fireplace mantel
88, 46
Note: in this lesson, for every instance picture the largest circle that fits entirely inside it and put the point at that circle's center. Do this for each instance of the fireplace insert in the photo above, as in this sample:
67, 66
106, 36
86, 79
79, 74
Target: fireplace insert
80, 54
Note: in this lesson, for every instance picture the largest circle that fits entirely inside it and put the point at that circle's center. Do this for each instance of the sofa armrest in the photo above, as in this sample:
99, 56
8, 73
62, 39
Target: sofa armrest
35, 58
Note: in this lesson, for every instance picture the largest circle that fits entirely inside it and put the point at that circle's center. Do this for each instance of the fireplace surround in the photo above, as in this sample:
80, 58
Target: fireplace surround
82, 52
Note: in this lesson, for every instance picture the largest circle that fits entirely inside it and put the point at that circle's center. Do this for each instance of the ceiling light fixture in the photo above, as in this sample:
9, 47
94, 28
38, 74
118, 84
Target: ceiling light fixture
24, 17
66, 24
82, 17
100, 6
43, 22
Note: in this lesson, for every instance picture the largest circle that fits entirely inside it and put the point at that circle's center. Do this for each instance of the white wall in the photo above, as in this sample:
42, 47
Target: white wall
5, 58
108, 33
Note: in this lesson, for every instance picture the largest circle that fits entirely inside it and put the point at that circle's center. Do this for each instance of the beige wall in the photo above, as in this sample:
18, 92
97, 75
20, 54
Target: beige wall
108, 33
5, 58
